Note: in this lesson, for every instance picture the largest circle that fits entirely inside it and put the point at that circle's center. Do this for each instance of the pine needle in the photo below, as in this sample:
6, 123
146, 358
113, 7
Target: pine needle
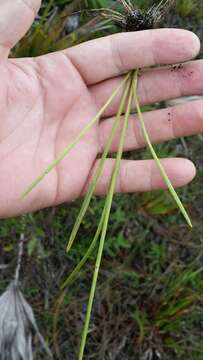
108, 204
98, 173
68, 148
158, 163
71, 278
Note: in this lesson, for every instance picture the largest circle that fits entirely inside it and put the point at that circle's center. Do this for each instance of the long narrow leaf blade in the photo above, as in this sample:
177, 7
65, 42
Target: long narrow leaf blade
67, 149
159, 165
98, 173
108, 204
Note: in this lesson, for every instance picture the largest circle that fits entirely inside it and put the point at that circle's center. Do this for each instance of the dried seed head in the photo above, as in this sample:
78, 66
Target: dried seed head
132, 19
137, 20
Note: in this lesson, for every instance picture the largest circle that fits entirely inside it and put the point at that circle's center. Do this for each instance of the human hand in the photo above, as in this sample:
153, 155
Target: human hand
46, 101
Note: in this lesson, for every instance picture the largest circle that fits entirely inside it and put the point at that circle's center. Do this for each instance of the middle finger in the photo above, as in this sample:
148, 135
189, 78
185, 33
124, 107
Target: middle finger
155, 85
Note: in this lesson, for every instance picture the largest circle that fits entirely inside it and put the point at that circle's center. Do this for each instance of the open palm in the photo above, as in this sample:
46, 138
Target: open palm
46, 101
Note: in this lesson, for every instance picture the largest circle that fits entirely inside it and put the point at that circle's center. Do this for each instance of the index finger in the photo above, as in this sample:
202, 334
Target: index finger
107, 57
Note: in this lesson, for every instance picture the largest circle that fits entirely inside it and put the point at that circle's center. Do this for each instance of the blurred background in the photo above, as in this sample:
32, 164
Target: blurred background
149, 303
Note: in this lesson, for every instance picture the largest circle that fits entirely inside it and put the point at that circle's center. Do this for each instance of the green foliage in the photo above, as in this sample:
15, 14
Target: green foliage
158, 203
185, 7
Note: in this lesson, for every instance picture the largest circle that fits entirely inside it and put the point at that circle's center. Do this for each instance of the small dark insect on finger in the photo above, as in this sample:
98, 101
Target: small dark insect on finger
177, 67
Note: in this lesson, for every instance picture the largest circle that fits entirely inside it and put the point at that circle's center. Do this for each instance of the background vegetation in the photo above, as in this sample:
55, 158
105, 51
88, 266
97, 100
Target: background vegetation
149, 299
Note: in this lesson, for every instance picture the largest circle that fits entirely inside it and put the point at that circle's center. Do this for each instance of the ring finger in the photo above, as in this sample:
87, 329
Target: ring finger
162, 125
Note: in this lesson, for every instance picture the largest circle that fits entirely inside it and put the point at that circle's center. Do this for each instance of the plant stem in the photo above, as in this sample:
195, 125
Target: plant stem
98, 173
67, 149
158, 163
71, 278
88, 253
108, 204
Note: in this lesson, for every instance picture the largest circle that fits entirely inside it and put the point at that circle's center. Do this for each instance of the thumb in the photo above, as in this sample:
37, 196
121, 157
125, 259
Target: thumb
16, 16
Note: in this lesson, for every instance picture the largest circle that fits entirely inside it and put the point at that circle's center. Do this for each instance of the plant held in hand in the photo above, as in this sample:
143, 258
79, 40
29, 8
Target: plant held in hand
132, 20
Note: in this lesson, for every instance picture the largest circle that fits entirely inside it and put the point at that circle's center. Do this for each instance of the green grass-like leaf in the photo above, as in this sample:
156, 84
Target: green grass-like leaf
108, 204
82, 212
98, 173
68, 148
159, 165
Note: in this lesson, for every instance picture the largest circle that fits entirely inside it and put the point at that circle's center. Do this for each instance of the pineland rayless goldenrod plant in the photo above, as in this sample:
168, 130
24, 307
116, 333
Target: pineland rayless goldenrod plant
130, 20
